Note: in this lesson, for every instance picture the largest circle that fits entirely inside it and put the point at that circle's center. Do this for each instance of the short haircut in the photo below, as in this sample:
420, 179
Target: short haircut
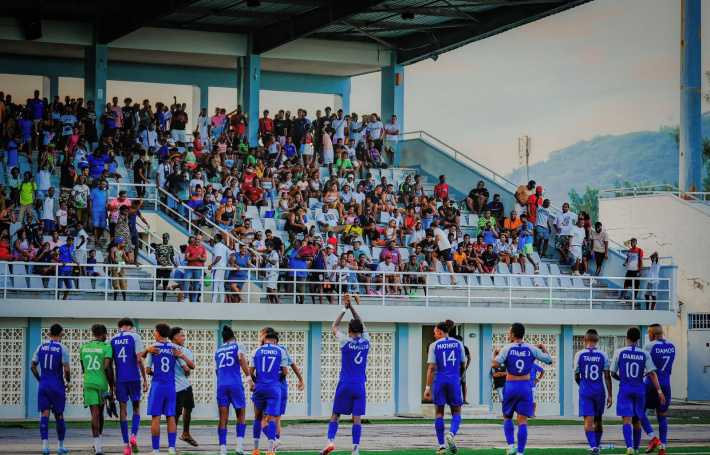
633, 334
126, 322
268, 330
655, 325
56, 330
443, 327
598, 224
592, 336
163, 329
518, 329
227, 333
98, 329
356, 326
174, 332
272, 336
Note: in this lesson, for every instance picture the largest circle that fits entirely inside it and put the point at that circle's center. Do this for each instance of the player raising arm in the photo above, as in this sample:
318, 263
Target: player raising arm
518, 358
591, 371
447, 361
628, 367
350, 395
54, 383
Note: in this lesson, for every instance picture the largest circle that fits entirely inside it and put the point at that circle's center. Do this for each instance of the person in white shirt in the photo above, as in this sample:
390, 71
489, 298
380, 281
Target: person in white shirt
204, 124
374, 131
339, 124
328, 221
80, 250
43, 182
392, 133
653, 275
271, 260
355, 129
48, 210
149, 138
577, 239
563, 224
444, 253
221, 254
387, 276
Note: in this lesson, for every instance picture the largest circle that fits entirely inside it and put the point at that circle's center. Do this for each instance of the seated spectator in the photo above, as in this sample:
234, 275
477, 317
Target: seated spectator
254, 193
486, 218
489, 235
511, 225
387, 276
352, 232
392, 250
477, 198
473, 259
416, 275
406, 190
376, 239
497, 210
490, 260
328, 221
505, 250
391, 231
294, 221
245, 233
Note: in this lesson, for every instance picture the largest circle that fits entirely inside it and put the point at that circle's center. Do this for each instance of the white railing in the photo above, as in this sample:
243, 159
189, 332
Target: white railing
658, 189
17, 281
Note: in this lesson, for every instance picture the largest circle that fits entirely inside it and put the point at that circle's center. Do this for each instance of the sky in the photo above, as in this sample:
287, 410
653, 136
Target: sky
606, 67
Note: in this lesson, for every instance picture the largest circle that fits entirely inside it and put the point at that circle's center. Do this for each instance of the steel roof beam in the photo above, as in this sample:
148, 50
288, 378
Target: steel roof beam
135, 15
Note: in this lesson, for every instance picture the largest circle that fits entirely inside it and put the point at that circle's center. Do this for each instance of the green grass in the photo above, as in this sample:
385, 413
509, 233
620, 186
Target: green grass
679, 450
113, 423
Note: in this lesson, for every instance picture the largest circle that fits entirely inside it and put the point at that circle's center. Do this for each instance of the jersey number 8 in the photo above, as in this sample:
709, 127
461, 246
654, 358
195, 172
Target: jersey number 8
164, 364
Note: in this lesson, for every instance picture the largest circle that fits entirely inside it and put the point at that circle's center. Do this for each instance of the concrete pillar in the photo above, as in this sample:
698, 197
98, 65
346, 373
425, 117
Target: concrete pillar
401, 370
50, 87
33, 338
342, 100
565, 371
484, 358
315, 406
249, 91
200, 98
392, 97
95, 67
690, 178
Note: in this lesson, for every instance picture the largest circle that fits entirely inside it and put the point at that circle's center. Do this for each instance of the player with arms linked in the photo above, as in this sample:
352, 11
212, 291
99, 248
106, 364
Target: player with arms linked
127, 349
447, 360
518, 358
663, 354
591, 371
54, 382
350, 394
628, 367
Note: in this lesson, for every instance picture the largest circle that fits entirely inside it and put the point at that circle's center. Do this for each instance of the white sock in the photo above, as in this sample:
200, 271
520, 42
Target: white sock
511, 446
271, 445
355, 446
45, 442
256, 444
223, 450
331, 441
652, 435
663, 446
97, 444
240, 444
61, 444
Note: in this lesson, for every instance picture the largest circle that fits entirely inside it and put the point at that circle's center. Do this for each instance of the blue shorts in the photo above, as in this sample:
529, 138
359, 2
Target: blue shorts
98, 220
52, 397
542, 232
591, 405
630, 403
161, 399
350, 398
447, 392
284, 396
67, 282
231, 394
130, 390
49, 225
652, 401
517, 398
267, 398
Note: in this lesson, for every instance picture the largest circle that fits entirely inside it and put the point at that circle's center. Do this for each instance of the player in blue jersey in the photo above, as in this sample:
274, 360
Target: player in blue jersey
663, 354
54, 383
229, 360
161, 360
267, 369
129, 370
534, 380
284, 385
628, 367
447, 360
350, 395
591, 371
518, 358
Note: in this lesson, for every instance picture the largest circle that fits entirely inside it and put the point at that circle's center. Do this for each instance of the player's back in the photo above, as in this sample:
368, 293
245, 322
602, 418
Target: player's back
630, 362
353, 362
92, 356
519, 358
591, 363
125, 347
228, 366
163, 363
447, 354
267, 361
663, 355
50, 357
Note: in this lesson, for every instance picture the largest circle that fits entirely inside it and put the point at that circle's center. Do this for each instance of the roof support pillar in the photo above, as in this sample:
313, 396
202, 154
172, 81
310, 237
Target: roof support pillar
392, 97
95, 75
690, 178
50, 86
342, 100
200, 98
249, 88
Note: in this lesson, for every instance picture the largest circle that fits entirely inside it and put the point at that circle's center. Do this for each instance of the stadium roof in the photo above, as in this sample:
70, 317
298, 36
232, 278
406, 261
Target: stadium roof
415, 29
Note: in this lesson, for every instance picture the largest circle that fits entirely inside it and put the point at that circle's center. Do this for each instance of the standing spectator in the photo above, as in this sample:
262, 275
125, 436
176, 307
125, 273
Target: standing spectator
196, 256
178, 123
542, 228
65, 255
203, 125
576, 246
266, 127
441, 189
27, 198
374, 131
139, 174
392, 131
271, 262
36, 107
47, 214
600, 246
490, 260
444, 249
298, 263
523, 193
81, 249
525, 242
653, 275
499, 375
563, 225
634, 266
220, 258
534, 201
120, 256
80, 196
477, 199
165, 258
98, 204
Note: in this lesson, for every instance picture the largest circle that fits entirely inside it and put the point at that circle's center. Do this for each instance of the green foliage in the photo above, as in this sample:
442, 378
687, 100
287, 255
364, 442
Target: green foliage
589, 202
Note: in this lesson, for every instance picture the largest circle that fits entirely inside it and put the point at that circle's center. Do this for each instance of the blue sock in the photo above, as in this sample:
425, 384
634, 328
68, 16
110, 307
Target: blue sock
626, 430
332, 430
455, 423
44, 428
637, 438
509, 430
590, 438
598, 435
222, 435
135, 424
124, 431
62, 429
522, 437
256, 429
357, 432
156, 443
172, 437
241, 430
270, 430
440, 428
662, 428
646, 425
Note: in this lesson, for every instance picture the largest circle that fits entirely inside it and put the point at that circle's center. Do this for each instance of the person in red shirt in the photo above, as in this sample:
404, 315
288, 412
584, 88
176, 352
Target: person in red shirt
441, 190
195, 255
634, 267
238, 121
248, 178
266, 127
254, 193
534, 201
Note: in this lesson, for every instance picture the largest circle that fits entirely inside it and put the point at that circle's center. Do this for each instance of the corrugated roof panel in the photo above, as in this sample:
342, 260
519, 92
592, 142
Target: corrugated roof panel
180, 18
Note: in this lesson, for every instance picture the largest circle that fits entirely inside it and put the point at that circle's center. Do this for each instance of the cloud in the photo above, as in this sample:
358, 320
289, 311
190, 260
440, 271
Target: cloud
593, 55
575, 25
661, 68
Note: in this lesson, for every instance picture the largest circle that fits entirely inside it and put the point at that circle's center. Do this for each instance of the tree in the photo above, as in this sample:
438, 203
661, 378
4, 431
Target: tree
589, 202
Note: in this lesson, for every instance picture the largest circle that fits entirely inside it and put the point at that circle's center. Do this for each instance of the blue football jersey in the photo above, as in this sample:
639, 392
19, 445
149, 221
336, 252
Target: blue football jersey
591, 365
519, 358
50, 358
268, 360
125, 347
447, 354
353, 361
228, 366
663, 355
533, 373
630, 362
163, 363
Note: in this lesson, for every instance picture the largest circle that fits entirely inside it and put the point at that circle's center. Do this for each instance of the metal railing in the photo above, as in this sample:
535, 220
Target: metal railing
141, 283
658, 189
